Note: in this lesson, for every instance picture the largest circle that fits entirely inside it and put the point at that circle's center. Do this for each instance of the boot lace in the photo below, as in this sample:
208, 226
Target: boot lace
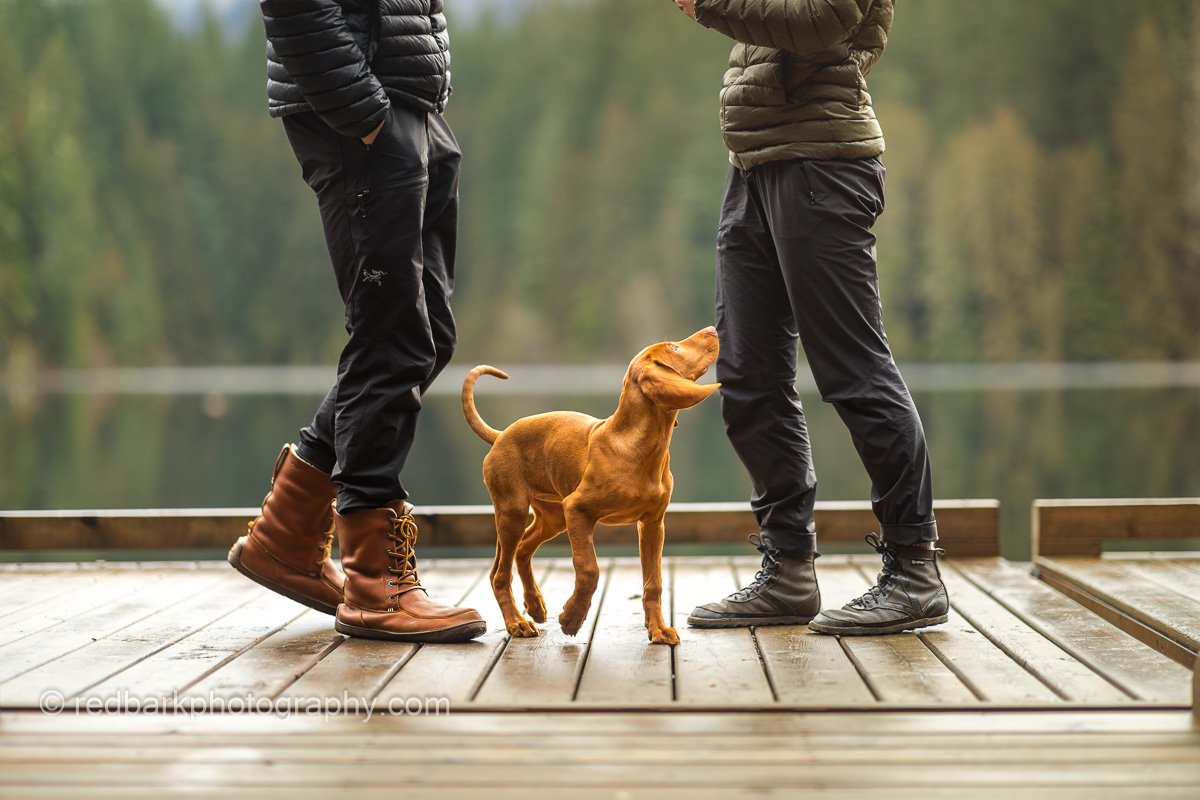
887, 578
403, 556
769, 571
326, 547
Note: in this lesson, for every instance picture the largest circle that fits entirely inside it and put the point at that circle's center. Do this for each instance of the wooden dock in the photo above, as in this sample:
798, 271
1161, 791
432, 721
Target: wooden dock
142, 679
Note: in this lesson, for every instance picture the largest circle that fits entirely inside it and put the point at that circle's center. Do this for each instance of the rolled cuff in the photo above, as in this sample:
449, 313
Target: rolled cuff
911, 534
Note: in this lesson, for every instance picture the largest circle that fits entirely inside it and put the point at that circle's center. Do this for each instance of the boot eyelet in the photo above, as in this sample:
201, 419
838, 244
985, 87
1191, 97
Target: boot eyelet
391, 583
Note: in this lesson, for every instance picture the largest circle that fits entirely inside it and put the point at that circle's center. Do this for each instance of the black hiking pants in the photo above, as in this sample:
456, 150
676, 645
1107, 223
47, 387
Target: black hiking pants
390, 214
796, 261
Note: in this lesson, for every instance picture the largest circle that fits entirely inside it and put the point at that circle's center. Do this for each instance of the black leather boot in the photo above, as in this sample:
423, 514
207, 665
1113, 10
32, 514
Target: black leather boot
784, 592
908, 594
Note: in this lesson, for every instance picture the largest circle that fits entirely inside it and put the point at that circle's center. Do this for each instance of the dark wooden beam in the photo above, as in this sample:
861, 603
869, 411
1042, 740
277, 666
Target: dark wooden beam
1080, 527
968, 528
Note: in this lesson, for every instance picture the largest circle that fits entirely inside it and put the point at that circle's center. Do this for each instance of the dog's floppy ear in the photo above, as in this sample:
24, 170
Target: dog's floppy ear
667, 388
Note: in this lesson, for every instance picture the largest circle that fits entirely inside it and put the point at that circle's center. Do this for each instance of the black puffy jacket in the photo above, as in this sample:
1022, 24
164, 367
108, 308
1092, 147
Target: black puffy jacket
348, 60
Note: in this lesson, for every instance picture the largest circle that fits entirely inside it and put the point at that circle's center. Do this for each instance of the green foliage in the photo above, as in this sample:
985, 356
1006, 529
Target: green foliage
1041, 185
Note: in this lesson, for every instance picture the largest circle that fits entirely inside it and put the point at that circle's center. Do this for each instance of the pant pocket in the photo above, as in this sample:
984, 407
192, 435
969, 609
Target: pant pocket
401, 150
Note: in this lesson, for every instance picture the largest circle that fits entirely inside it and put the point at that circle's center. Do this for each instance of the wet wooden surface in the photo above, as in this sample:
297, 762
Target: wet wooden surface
239, 692
199, 634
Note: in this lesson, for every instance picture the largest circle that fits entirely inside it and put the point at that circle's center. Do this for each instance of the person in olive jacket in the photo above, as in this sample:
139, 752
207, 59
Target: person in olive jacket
360, 86
796, 262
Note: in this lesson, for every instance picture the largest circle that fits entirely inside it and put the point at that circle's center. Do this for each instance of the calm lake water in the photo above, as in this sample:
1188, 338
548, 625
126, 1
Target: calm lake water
119, 440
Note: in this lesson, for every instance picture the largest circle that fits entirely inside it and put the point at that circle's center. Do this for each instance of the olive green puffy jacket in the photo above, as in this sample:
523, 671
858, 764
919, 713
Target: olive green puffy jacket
795, 86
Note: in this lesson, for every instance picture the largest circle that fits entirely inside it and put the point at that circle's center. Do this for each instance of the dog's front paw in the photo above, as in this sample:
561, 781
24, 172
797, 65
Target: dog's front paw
664, 636
535, 607
522, 628
571, 620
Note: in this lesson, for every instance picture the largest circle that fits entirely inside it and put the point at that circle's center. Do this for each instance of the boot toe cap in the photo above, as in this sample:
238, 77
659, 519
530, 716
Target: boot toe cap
708, 611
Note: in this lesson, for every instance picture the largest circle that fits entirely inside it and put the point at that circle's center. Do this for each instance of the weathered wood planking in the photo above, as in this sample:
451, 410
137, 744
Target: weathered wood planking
807, 668
899, 669
986, 671
1125, 662
1060, 671
456, 671
357, 669
102, 658
720, 667
544, 670
627, 755
197, 636
1080, 527
972, 526
122, 608
1154, 600
623, 667
171, 671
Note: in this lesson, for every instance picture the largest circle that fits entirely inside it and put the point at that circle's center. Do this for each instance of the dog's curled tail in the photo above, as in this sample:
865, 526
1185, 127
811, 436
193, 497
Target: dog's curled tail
481, 428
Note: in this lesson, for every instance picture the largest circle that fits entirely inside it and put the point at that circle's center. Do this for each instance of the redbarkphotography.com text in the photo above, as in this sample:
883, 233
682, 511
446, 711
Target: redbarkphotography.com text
55, 702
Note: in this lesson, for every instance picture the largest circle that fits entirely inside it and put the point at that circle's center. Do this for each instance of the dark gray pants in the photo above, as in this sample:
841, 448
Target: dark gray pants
390, 214
796, 260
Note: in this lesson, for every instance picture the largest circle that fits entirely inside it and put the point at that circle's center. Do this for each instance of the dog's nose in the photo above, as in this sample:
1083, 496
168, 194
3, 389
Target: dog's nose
711, 330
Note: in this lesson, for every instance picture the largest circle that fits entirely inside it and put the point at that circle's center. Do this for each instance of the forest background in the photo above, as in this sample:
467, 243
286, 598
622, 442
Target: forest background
1043, 189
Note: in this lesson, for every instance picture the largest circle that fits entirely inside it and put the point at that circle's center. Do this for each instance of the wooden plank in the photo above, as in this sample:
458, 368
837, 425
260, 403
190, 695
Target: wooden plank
544, 670
264, 670
1043, 657
20, 591
1143, 633
909, 724
973, 526
900, 668
807, 668
1142, 672
990, 673
355, 671
683, 791
717, 667
1132, 775
454, 671
700, 752
987, 671
121, 609
1080, 527
167, 673
101, 589
72, 673
623, 667
1136, 597
234, 746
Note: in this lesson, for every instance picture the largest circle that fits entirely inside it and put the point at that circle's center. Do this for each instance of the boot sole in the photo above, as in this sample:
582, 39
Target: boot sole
235, 560
746, 622
455, 634
899, 627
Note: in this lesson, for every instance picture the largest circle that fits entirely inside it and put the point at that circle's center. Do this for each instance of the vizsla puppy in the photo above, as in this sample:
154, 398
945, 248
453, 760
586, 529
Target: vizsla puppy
577, 471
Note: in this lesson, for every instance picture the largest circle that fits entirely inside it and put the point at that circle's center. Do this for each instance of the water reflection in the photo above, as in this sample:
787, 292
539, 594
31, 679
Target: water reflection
205, 450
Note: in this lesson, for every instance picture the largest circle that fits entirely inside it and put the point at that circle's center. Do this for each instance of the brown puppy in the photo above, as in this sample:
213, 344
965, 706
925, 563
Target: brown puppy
577, 471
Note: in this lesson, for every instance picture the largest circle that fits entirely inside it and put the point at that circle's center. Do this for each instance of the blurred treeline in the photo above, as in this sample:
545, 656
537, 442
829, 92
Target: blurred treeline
1043, 186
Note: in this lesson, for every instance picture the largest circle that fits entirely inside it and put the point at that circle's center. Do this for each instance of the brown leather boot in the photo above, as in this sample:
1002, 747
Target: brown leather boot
287, 549
384, 598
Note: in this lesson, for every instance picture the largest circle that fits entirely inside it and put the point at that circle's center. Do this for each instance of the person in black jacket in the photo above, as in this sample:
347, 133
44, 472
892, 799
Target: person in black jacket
360, 86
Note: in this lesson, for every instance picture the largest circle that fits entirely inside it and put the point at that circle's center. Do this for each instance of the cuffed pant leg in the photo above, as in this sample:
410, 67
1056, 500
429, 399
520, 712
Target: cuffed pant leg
761, 409
821, 214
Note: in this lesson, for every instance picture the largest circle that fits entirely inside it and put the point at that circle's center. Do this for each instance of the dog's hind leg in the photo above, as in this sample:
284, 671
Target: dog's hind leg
581, 528
548, 522
510, 524
650, 544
